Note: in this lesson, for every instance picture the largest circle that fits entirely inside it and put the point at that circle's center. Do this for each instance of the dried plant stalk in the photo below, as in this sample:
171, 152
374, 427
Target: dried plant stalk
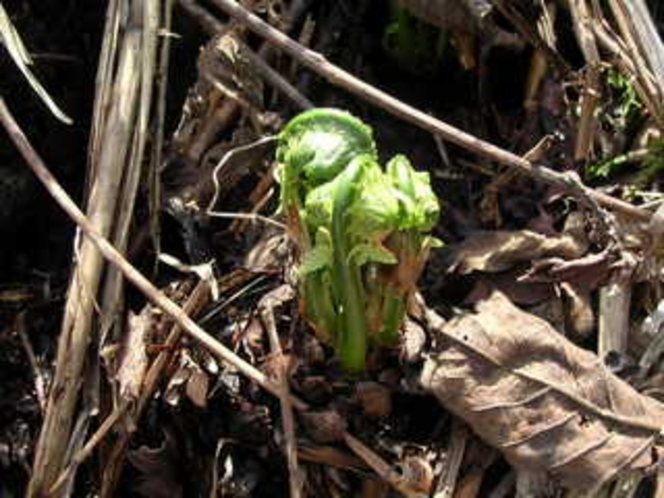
113, 153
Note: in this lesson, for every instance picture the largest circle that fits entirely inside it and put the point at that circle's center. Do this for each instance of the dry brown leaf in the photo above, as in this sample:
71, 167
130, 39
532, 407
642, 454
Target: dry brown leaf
507, 282
499, 250
545, 403
189, 378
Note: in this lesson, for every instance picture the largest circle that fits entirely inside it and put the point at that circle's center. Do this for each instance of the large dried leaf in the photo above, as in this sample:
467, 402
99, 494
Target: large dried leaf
547, 404
499, 250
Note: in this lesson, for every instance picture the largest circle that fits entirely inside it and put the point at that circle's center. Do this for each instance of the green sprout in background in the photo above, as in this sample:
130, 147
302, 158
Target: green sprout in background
362, 230
415, 46
626, 110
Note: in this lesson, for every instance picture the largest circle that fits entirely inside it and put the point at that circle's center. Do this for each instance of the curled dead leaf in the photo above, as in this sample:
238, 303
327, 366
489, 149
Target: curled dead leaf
189, 378
548, 405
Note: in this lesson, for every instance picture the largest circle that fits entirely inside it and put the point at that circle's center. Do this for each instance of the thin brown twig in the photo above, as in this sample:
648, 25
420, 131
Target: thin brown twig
158, 298
295, 482
379, 466
346, 80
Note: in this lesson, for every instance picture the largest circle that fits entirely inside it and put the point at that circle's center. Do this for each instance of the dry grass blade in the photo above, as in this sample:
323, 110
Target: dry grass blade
447, 484
547, 404
19, 54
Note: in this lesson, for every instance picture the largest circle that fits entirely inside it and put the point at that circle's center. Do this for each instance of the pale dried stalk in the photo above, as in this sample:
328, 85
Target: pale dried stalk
159, 299
539, 63
623, 60
11, 40
613, 327
591, 91
636, 24
39, 382
103, 82
346, 80
148, 12
75, 337
160, 119
644, 47
659, 492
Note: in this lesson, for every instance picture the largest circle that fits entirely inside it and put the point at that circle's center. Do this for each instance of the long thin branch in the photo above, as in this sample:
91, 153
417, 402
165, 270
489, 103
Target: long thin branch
346, 80
267, 317
158, 298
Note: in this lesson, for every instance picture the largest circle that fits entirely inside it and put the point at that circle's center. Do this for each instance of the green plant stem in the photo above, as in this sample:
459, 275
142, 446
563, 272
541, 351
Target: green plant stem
353, 330
320, 305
